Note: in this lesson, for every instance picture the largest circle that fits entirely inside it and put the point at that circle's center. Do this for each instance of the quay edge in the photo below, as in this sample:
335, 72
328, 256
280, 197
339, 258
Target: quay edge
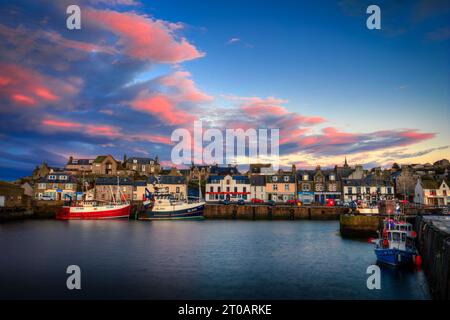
433, 236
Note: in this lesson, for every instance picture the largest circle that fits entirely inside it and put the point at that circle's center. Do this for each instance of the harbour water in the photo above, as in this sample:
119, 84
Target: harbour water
194, 260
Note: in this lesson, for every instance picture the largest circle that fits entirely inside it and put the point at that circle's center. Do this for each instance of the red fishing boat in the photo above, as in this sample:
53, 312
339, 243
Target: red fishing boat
96, 210
93, 210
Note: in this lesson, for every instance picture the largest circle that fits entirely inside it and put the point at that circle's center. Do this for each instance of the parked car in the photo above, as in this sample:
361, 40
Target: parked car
271, 203
256, 200
225, 202
240, 202
47, 197
294, 202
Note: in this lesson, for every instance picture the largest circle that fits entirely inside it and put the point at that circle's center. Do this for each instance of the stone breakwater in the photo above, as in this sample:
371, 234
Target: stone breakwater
266, 212
433, 236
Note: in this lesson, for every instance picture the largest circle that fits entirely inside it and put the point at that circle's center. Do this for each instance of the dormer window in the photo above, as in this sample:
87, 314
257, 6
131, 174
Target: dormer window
305, 177
274, 178
286, 178
134, 161
52, 177
332, 177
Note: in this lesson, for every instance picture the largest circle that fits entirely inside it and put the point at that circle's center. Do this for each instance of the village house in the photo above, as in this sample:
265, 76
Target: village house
432, 192
175, 185
258, 187
371, 188
143, 166
305, 186
12, 195
281, 187
43, 170
79, 166
56, 186
326, 186
231, 188
105, 165
405, 181
111, 189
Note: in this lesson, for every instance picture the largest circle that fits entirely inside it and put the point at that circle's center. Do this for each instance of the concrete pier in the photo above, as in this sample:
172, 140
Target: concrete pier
267, 212
433, 235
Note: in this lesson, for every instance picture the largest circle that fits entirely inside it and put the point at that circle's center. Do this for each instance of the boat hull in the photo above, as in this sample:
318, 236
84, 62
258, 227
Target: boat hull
192, 213
94, 213
395, 257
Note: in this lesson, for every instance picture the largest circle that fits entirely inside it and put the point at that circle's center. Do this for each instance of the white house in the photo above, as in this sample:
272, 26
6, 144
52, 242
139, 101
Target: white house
432, 192
368, 189
258, 187
232, 188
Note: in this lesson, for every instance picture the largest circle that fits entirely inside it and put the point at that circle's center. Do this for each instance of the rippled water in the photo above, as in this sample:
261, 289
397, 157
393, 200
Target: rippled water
194, 260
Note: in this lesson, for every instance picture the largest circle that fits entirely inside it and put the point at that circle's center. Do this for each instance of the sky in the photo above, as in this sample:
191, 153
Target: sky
137, 70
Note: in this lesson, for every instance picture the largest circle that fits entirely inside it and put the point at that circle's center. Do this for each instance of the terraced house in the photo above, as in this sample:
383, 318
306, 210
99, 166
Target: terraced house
371, 188
231, 188
112, 189
305, 186
105, 165
79, 166
143, 166
56, 186
281, 187
326, 185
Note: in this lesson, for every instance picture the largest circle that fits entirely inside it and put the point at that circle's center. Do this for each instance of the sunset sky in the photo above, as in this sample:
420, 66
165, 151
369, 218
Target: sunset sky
137, 70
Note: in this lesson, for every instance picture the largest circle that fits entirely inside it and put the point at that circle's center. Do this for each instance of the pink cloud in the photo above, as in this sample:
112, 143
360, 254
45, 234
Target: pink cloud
161, 106
144, 38
186, 90
26, 87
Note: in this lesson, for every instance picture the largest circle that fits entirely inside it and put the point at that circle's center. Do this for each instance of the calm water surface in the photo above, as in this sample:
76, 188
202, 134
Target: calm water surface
194, 260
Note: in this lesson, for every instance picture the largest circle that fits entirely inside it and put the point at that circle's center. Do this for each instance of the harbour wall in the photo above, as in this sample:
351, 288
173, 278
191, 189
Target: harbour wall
267, 212
433, 237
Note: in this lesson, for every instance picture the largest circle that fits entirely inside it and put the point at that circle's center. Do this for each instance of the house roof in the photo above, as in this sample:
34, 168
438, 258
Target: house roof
280, 178
80, 161
223, 171
100, 159
70, 178
430, 184
140, 160
258, 180
167, 180
112, 181
245, 179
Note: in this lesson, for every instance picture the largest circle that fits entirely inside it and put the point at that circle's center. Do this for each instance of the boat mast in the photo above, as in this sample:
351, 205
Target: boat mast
199, 189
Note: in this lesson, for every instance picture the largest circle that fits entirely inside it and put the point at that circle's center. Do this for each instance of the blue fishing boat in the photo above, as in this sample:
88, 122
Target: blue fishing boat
165, 206
395, 246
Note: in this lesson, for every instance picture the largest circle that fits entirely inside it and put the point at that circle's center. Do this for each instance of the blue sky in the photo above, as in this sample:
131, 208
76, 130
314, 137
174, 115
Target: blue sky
105, 89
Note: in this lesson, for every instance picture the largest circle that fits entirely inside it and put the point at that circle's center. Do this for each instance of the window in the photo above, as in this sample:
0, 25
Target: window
444, 192
275, 187
143, 168
52, 177
228, 189
211, 189
134, 161
389, 190
367, 190
177, 189
350, 190
63, 177
235, 189
378, 190
274, 178
286, 187
218, 189
358, 190
286, 178
305, 177
306, 187
55, 186
228, 181
244, 189
332, 177
319, 187
69, 186
42, 186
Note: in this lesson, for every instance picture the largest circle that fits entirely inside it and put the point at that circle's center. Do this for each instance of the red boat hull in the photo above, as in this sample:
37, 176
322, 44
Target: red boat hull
94, 213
